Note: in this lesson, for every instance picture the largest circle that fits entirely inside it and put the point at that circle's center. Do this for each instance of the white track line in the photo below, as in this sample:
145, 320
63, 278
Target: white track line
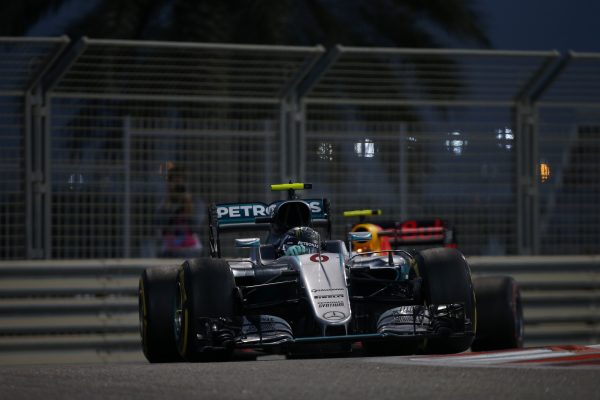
503, 357
494, 358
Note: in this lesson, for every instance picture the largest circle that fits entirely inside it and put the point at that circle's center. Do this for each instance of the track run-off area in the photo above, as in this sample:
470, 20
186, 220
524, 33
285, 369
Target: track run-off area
560, 372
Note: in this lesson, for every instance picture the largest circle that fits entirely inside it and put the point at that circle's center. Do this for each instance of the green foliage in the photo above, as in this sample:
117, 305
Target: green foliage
397, 23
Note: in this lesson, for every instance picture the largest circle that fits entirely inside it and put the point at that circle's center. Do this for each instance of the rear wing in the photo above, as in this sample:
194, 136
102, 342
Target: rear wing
256, 216
419, 232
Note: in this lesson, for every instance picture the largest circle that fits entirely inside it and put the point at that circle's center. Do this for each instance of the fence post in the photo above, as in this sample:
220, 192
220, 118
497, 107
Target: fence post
37, 176
528, 241
528, 162
288, 150
37, 150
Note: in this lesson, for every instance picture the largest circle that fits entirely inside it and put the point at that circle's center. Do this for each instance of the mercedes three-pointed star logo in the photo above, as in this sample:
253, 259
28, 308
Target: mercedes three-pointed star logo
334, 315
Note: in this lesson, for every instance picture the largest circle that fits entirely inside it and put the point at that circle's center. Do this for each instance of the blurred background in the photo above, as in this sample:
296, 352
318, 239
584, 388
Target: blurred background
460, 110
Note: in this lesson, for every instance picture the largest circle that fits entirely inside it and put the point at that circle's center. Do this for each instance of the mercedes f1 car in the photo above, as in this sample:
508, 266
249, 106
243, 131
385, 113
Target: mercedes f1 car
299, 292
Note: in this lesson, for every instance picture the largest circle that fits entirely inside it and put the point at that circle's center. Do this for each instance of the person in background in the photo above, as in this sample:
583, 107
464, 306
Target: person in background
177, 218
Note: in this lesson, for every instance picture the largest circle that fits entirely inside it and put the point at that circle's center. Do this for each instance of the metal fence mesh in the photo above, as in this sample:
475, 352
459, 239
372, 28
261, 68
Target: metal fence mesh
415, 77
570, 194
454, 168
569, 146
181, 70
24, 59
21, 63
12, 188
417, 133
440, 129
110, 161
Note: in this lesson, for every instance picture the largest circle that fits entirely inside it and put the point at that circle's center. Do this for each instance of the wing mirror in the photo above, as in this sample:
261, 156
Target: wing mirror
359, 236
247, 243
250, 243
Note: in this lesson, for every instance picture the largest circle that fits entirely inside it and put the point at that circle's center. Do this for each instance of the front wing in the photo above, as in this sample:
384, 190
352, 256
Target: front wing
397, 324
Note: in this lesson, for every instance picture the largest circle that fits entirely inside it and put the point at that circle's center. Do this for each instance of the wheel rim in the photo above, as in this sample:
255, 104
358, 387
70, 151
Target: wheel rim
520, 329
177, 314
142, 311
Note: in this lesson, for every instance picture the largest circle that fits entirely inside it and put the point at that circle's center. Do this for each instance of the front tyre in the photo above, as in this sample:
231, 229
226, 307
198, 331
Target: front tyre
156, 305
205, 292
499, 314
447, 279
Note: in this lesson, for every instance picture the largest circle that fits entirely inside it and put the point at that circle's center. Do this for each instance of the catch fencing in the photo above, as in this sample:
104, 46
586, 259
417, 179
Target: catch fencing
503, 145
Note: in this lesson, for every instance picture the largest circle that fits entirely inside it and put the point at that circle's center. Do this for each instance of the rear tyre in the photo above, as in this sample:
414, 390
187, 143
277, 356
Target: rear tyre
205, 289
156, 305
499, 314
446, 279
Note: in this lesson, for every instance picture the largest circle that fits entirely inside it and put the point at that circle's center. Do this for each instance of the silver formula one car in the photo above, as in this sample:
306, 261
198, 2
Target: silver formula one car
302, 293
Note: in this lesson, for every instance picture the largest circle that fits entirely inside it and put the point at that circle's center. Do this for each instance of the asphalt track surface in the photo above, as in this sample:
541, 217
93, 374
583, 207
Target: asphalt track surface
274, 377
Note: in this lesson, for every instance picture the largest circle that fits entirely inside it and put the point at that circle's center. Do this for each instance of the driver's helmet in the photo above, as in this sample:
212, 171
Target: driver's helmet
374, 244
300, 240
